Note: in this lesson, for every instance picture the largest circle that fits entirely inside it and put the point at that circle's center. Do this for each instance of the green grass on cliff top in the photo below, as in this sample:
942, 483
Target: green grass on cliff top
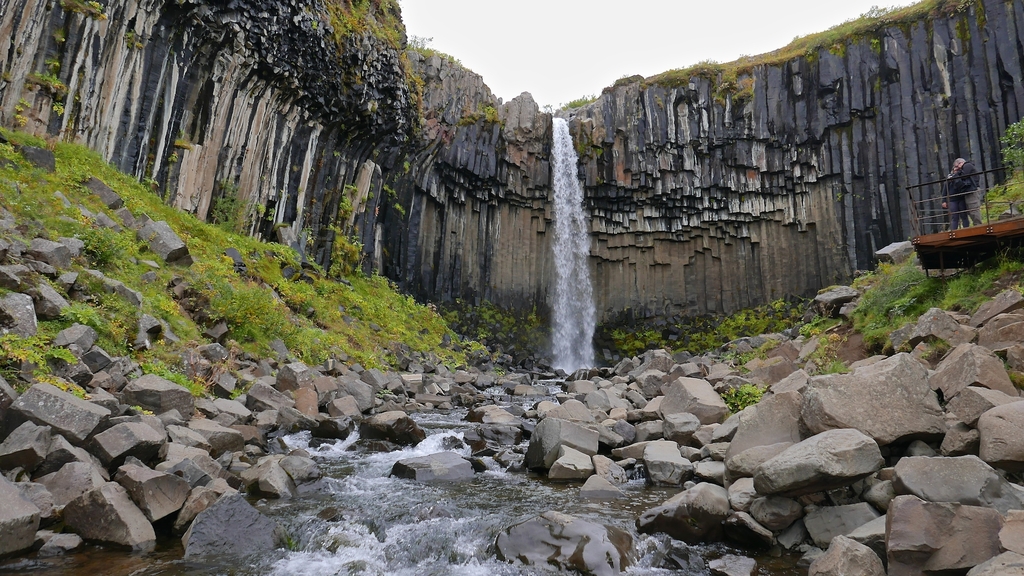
365, 319
835, 39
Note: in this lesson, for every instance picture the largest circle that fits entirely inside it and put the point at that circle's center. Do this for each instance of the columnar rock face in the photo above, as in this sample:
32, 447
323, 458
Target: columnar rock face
706, 194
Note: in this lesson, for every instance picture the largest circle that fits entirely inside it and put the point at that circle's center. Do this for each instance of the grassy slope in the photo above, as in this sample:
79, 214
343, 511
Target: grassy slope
310, 317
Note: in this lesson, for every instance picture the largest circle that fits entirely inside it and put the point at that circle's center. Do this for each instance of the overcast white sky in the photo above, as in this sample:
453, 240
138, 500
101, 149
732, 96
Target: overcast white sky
560, 50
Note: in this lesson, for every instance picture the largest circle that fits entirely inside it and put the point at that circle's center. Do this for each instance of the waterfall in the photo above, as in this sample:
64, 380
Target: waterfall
573, 312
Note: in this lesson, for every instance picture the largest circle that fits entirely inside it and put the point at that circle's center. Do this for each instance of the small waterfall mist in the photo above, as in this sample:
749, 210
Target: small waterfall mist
573, 312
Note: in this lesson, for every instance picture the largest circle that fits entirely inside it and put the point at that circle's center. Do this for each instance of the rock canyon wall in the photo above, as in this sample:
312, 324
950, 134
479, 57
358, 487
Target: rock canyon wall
706, 194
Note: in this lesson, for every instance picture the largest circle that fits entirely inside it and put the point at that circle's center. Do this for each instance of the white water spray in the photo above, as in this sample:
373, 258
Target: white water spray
573, 309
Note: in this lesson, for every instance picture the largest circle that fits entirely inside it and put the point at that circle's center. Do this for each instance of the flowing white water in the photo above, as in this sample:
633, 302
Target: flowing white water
573, 312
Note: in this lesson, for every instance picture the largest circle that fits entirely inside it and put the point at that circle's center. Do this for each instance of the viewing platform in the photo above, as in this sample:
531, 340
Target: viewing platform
939, 248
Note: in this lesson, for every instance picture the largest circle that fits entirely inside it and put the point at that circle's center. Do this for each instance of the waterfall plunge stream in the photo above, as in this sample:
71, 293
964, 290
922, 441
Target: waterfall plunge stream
573, 312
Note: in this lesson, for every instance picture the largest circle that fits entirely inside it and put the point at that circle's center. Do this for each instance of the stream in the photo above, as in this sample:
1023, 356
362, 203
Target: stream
356, 520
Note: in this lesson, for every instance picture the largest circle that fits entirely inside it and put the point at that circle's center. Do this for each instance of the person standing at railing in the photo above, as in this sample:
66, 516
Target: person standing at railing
962, 195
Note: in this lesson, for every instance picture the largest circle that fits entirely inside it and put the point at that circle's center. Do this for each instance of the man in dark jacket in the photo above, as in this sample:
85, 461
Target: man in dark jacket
962, 196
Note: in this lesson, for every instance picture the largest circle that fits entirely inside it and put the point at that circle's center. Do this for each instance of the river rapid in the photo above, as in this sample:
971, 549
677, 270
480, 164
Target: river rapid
358, 521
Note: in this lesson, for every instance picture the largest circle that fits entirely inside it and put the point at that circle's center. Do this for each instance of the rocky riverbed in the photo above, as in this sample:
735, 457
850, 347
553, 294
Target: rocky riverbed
899, 467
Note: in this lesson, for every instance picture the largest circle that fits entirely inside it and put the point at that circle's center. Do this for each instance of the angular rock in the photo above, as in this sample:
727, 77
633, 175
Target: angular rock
300, 469
742, 494
199, 499
553, 433
18, 315
53, 253
964, 479
109, 198
163, 241
971, 365
361, 391
896, 252
741, 528
71, 481
107, 514
49, 304
440, 467
230, 527
1004, 302
1006, 564
665, 466
567, 543
26, 447
693, 516
829, 460
59, 544
775, 512
827, 522
606, 468
128, 439
889, 401
937, 323
157, 494
571, 465
680, 427
221, 438
395, 426
974, 401
871, 535
262, 396
47, 405
268, 478
960, 440
1001, 436
828, 303
696, 397
732, 565
934, 538
19, 520
597, 488
771, 421
159, 395
294, 376
1011, 536
745, 463
846, 557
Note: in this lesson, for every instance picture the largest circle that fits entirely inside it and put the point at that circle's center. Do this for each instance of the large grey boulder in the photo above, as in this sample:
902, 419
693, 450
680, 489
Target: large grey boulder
846, 557
53, 253
742, 494
1002, 331
1005, 301
262, 396
221, 438
557, 540
230, 527
829, 460
268, 478
693, 516
361, 391
157, 494
107, 514
571, 465
896, 252
294, 376
440, 467
745, 464
26, 447
68, 415
696, 397
939, 538
889, 401
1006, 564
1001, 432
134, 439
871, 535
775, 512
553, 433
964, 479
826, 522
394, 426
971, 365
680, 427
665, 465
773, 420
936, 323
163, 241
19, 520
78, 334
49, 304
159, 395
741, 528
106, 195
597, 488
71, 481
18, 315
974, 401
830, 302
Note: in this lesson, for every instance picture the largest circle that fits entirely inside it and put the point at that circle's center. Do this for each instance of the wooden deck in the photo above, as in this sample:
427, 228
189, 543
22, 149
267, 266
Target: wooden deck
967, 246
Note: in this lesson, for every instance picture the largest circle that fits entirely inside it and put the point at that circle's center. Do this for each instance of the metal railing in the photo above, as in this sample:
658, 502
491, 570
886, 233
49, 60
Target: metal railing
927, 216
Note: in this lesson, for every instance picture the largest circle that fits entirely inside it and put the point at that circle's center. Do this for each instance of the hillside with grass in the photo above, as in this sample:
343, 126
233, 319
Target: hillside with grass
272, 299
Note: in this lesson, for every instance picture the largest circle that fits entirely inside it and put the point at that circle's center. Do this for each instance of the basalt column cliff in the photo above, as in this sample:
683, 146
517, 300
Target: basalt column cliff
707, 191
709, 194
